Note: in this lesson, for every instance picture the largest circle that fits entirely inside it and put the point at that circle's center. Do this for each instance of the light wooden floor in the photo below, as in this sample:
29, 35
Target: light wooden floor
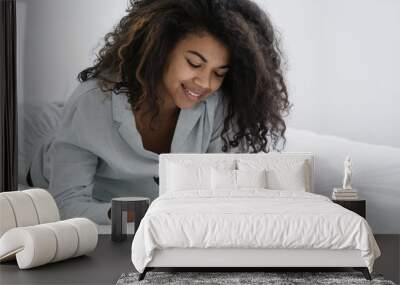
388, 263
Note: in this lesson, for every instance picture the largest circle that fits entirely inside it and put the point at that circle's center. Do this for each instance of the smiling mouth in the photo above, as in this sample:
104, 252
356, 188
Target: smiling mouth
191, 95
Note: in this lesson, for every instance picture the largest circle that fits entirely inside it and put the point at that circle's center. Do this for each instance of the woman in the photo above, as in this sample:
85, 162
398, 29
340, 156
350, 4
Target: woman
174, 76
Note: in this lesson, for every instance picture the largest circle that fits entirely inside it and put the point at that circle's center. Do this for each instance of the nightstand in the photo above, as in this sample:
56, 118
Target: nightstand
357, 206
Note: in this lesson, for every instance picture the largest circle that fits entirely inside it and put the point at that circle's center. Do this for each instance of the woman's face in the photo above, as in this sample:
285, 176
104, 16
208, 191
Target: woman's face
195, 69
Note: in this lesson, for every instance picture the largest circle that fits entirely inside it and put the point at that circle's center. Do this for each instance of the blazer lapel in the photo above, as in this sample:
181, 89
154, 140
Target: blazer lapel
186, 121
122, 113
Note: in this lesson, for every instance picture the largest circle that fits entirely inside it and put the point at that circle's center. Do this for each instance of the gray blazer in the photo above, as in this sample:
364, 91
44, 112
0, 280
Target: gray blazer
96, 153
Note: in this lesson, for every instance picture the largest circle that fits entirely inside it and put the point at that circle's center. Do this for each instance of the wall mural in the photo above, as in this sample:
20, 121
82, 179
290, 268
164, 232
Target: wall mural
341, 76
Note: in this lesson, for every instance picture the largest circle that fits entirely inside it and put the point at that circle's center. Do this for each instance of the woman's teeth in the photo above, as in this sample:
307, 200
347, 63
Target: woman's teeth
192, 93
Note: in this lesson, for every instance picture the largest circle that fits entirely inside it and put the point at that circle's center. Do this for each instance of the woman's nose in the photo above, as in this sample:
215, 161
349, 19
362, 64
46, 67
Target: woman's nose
203, 80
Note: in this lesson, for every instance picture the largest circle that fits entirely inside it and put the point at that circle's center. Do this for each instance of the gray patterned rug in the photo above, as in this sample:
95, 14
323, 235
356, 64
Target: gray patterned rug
243, 278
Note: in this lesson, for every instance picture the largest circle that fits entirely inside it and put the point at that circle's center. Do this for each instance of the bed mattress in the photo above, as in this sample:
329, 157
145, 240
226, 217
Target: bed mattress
251, 219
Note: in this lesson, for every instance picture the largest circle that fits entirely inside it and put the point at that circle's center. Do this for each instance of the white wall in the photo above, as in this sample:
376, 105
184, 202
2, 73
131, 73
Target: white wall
57, 39
342, 73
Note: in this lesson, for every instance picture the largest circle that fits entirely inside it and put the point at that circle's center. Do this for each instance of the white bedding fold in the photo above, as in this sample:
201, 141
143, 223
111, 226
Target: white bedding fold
251, 218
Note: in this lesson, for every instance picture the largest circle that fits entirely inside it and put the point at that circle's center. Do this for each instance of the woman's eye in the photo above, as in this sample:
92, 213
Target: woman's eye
199, 65
192, 64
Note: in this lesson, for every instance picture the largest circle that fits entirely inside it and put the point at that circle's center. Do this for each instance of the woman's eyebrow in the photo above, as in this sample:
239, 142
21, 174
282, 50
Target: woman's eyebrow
204, 59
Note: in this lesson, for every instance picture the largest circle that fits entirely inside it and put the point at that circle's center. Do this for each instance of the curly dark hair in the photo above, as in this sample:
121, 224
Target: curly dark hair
253, 89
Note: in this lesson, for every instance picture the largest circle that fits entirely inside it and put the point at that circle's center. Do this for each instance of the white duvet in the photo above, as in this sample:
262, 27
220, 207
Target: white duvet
251, 218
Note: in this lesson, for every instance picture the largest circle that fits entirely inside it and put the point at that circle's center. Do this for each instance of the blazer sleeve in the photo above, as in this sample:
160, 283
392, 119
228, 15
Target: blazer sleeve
73, 167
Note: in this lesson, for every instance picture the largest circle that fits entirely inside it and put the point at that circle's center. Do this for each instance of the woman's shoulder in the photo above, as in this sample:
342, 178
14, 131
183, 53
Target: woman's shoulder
88, 105
87, 110
88, 95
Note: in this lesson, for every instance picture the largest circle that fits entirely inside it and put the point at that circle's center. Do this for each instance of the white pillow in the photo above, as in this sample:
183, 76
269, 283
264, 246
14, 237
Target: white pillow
223, 179
251, 178
282, 174
236, 179
288, 179
192, 174
182, 177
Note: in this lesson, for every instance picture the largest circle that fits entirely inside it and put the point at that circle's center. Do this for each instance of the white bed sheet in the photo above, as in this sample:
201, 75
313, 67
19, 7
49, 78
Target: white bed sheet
250, 218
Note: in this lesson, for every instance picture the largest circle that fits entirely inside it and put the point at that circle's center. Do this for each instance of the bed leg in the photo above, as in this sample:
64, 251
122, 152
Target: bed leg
364, 271
143, 274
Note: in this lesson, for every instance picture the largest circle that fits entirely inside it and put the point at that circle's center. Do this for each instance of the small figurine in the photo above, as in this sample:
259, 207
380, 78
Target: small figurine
347, 173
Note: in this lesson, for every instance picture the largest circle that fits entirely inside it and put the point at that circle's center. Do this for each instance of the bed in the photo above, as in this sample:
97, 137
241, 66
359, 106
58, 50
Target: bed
245, 211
